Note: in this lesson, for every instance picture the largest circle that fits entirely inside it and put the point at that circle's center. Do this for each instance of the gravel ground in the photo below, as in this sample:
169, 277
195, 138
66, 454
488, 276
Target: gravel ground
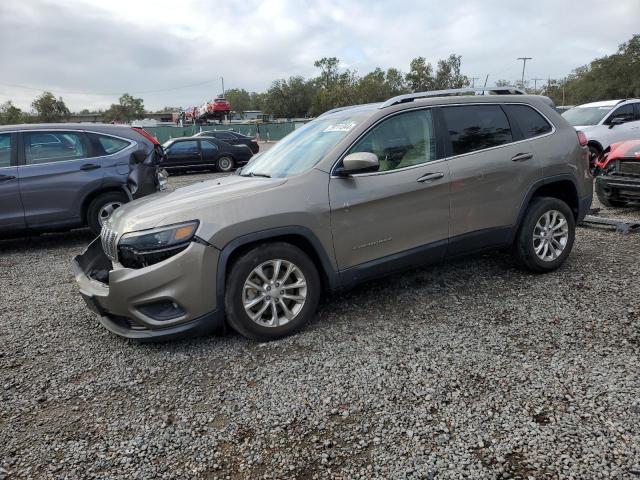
467, 370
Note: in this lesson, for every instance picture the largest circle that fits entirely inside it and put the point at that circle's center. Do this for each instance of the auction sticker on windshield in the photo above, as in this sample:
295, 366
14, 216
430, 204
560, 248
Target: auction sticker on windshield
340, 127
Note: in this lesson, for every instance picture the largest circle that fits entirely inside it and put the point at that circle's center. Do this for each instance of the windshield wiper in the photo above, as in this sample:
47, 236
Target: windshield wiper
253, 174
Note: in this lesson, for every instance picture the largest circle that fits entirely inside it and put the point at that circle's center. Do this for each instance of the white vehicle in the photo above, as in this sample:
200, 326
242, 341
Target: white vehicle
605, 123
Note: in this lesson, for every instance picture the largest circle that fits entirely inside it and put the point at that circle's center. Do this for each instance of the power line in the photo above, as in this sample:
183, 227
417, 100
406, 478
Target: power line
68, 92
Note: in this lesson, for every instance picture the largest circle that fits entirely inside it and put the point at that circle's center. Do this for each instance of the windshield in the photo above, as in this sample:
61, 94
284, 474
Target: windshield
586, 115
303, 148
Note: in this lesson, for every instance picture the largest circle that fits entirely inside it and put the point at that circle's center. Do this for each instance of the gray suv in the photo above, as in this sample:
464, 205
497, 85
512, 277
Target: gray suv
358, 193
61, 176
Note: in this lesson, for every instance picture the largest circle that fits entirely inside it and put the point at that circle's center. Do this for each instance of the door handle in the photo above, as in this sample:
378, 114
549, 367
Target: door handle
89, 166
4, 178
521, 157
427, 177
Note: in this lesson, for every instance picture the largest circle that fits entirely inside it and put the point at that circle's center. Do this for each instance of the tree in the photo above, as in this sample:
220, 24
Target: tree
420, 76
49, 109
126, 110
239, 99
257, 101
612, 76
289, 98
10, 114
395, 80
448, 74
328, 71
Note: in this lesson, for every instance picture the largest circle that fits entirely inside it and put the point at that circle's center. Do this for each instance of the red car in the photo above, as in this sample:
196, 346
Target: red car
216, 109
618, 170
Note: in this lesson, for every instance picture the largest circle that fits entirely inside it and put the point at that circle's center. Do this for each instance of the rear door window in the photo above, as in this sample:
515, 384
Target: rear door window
5, 149
476, 127
55, 146
224, 136
208, 146
531, 123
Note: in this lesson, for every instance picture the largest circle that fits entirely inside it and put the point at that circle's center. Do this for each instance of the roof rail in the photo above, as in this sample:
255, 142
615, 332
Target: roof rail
410, 97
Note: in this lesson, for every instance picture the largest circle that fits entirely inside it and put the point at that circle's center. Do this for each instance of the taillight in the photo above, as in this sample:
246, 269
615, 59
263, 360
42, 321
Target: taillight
582, 138
146, 135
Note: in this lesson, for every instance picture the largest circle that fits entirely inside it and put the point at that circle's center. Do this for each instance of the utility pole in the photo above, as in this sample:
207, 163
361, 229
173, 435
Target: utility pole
222, 78
473, 81
524, 64
535, 83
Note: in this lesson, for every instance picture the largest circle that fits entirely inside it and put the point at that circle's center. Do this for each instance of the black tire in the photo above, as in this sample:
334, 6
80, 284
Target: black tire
606, 200
225, 164
95, 209
523, 247
240, 271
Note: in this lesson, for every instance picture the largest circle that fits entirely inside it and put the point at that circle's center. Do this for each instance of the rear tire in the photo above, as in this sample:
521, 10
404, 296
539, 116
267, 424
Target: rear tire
102, 207
546, 235
225, 164
289, 292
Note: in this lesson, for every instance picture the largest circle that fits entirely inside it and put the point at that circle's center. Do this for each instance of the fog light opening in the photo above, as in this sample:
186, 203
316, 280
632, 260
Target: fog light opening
162, 310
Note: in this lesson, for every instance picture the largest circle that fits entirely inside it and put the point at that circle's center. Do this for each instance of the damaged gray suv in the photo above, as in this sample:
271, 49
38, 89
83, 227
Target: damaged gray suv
358, 193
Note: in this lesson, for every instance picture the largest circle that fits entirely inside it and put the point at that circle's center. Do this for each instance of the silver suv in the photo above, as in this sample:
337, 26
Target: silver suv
358, 193
605, 123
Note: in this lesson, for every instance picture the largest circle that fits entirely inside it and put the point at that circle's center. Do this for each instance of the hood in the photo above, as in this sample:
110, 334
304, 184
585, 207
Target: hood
629, 150
195, 201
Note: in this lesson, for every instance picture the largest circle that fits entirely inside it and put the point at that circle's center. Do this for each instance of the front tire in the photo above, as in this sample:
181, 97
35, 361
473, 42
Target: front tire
546, 235
272, 291
225, 164
101, 208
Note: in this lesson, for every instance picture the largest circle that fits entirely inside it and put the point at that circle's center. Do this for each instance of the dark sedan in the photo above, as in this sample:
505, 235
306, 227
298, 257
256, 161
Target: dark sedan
191, 153
232, 138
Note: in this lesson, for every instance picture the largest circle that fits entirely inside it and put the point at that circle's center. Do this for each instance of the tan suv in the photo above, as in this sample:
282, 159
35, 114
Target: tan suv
355, 194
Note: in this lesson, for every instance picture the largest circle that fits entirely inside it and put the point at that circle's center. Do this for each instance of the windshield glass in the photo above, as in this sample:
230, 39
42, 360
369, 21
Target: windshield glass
303, 148
586, 115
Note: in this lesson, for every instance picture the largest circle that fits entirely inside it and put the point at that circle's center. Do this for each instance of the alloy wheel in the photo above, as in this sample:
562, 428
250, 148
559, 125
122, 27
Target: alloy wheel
550, 235
274, 293
106, 210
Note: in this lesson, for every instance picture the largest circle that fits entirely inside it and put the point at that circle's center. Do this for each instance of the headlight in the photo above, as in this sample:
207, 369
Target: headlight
146, 247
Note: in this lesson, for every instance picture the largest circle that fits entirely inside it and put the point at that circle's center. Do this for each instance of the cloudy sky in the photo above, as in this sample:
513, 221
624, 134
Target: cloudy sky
91, 51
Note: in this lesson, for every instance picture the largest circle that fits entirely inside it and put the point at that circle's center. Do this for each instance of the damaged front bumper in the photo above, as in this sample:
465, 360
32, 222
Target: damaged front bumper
166, 300
620, 187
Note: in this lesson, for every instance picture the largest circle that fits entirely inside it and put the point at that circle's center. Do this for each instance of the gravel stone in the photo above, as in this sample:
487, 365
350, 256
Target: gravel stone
470, 369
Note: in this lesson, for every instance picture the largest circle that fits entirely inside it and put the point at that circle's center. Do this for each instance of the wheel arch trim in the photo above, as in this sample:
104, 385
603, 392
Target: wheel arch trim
227, 251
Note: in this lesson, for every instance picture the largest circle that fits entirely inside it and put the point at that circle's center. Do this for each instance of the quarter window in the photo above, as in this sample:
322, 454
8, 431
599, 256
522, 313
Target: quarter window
112, 145
476, 127
530, 121
403, 140
5, 150
46, 147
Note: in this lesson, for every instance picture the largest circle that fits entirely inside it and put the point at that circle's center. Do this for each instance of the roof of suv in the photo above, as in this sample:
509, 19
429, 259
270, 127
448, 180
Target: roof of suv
103, 127
606, 103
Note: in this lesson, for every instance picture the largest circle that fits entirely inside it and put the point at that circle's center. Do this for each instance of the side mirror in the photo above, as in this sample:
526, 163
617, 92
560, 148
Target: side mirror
359, 162
616, 121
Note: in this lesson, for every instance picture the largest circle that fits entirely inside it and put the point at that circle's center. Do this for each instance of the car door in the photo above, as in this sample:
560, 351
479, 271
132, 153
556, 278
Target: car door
11, 209
209, 151
399, 215
56, 172
491, 172
629, 130
184, 153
